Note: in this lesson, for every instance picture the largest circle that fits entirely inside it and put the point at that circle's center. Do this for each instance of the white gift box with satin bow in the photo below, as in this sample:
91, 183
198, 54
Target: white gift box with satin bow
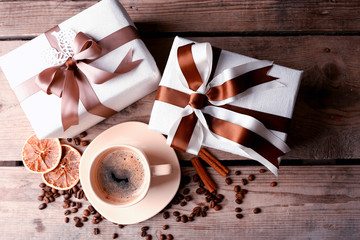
98, 21
276, 97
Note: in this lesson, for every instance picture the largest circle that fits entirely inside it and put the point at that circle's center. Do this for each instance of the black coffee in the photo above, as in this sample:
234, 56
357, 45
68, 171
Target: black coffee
120, 175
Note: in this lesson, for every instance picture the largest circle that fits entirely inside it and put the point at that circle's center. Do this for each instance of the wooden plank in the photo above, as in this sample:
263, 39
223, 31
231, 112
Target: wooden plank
308, 203
30, 18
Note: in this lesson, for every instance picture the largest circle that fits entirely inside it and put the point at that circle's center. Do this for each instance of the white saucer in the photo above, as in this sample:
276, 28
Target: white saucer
162, 189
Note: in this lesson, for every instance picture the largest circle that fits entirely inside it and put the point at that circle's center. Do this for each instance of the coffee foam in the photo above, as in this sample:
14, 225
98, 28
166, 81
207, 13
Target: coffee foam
120, 175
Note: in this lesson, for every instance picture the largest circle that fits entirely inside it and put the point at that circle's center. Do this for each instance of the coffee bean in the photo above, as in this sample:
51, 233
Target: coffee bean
166, 215
200, 190
65, 206
191, 219
78, 205
162, 237
211, 204
228, 181
239, 216
91, 208
69, 140
67, 212
62, 192
145, 228
84, 219
196, 178
67, 196
203, 213
262, 170
56, 195
243, 191
251, 177
201, 183
51, 199
67, 219
86, 212
121, 226
238, 209
143, 233
42, 206
67, 201
186, 191
77, 141
238, 201
42, 193
196, 209
188, 198
192, 215
176, 213
115, 235
239, 196
207, 199
220, 196
169, 237
237, 188
183, 204
40, 198
42, 185
217, 200
217, 208
180, 196
206, 208
76, 219
165, 227
53, 190
96, 220
84, 143
83, 134
178, 219
184, 218
70, 192
273, 184
237, 172
148, 237
257, 210
48, 194
75, 189
96, 231
175, 201
80, 194
74, 210
244, 181
46, 200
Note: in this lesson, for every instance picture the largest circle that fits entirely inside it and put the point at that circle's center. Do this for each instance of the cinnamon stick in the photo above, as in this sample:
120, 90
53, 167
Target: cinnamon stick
213, 162
209, 184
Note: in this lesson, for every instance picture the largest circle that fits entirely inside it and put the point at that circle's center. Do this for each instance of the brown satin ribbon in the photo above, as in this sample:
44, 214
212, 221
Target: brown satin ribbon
221, 127
71, 81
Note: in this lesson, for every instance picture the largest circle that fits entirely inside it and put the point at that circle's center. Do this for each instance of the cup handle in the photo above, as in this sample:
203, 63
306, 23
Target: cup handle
160, 170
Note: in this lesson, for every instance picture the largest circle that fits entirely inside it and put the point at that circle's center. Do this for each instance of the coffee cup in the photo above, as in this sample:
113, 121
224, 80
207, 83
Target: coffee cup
121, 175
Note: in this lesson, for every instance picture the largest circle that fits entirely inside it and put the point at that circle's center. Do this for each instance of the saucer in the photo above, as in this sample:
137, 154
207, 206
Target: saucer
162, 188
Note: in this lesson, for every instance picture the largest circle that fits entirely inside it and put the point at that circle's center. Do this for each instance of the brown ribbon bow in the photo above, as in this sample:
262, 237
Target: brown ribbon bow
228, 89
71, 80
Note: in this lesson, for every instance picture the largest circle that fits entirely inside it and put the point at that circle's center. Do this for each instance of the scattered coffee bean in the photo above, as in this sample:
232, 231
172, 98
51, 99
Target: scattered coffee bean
65, 206
62, 192
180, 196
84, 143
78, 205
42, 206
165, 227
238, 209
220, 196
166, 215
191, 219
203, 213
48, 194
145, 228
76, 219
67, 219
237, 172
79, 224
217, 200
53, 190
73, 204
273, 184
244, 191
244, 181
47, 188
183, 204
200, 190
96, 231
162, 237
77, 141
217, 208
143, 233
148, 237
186, 191
42, 185
178, 219
207, 199
56, 195
169, 237
238, 201
96, 220
176, 213
67, 212
80, 194
228, 181
239, 216
69, 140
74, 210
75, 189
196, 178
239, 196
188, 198
206, 208
86, 212
257, 210
83, 134
84, 219
91, 208
192, 215
237, 188
184, 218
251, 177
42, 193
67, 196
40, 198
115, 235
211, 204
262, 170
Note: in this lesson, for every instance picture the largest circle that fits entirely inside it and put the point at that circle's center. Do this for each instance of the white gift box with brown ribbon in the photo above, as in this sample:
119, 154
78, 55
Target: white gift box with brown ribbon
227, 101
82, 71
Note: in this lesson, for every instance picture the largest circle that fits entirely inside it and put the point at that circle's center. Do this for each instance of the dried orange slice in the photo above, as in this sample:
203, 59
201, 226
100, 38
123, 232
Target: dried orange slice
41, 156
66, 174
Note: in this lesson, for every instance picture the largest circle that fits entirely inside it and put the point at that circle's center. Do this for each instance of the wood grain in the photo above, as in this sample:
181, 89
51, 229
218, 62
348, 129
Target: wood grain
30, 18
326, 122
308, 203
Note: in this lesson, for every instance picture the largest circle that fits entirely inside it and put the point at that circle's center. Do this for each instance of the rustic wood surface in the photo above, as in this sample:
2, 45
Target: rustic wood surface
310, 202
322, 205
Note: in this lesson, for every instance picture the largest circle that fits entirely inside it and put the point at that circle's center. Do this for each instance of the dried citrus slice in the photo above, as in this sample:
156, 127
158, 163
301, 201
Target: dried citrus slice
66, 174
41, 156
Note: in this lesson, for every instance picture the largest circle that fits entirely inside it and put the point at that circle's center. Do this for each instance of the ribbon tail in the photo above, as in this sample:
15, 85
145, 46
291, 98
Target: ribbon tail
70, 101
126, 65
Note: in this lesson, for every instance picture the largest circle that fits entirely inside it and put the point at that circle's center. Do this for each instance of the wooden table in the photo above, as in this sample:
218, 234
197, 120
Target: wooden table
318, 192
